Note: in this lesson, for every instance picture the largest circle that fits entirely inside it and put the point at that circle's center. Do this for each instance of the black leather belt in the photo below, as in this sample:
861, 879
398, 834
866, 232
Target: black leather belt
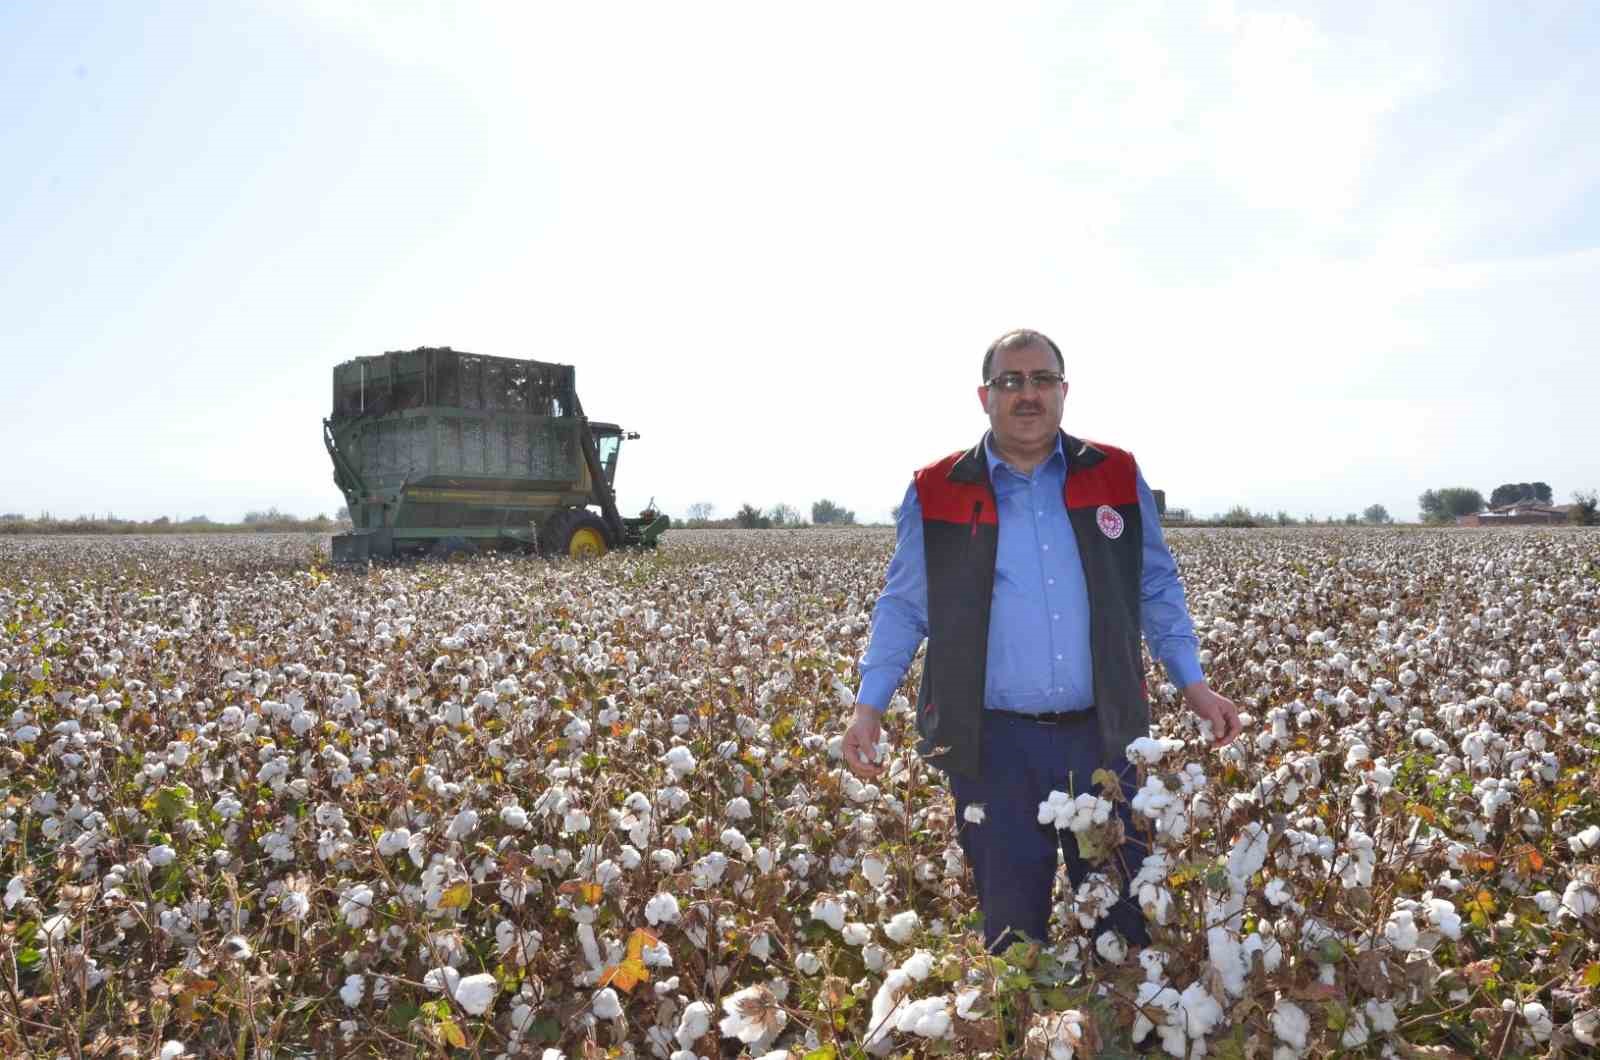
1059, 717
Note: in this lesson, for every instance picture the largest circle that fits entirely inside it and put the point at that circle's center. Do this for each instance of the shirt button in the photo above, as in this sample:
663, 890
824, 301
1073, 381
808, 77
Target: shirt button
1058, 655
1057, 617
1045, 547
1049, 581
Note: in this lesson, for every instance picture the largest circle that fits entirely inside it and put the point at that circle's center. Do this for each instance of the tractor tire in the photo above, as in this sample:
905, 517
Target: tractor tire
574, 533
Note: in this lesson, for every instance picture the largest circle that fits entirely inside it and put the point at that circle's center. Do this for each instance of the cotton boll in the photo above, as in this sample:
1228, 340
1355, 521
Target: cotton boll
1111, 946
1381, 1015
1539, 1021
694, 1023
606, 1005
1201, 1011
1401, 931
830, 911
1148, 751
442, 980
1586, 1027
752, 1014
856, 933
902, 927
662, 909
1290, 1023
354, 988
1580, 900
875, 869
462, 825
1585, 841
1444, 918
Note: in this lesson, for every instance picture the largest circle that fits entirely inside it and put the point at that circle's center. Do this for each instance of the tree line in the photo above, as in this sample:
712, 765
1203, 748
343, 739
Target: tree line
825, 512
261, 521
1448, 504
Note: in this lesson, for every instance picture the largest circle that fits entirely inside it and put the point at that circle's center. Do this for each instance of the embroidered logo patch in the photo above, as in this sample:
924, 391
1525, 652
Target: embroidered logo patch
1109, 520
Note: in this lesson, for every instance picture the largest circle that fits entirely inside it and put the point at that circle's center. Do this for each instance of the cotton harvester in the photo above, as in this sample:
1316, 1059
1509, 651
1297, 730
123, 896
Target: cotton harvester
441, 451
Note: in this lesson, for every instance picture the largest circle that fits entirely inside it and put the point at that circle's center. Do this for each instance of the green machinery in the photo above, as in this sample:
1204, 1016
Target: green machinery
441, 451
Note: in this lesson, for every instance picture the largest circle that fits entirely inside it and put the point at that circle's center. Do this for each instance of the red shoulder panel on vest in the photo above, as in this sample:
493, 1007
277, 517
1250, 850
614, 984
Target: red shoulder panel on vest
1112, 481
945, 501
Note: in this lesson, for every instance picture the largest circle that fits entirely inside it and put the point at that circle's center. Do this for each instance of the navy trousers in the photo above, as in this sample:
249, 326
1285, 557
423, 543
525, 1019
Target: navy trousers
1012, 856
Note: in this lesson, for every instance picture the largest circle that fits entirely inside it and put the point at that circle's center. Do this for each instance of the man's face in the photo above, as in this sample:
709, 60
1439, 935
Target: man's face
1030, 417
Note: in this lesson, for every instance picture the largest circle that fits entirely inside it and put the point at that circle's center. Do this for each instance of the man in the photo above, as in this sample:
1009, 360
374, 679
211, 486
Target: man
1030, 562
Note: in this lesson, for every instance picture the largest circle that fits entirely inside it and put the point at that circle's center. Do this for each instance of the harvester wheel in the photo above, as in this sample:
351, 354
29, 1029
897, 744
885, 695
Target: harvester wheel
574, 533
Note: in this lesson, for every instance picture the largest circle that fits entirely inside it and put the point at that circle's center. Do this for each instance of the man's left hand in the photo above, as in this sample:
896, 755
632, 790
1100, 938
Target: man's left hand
1218, 710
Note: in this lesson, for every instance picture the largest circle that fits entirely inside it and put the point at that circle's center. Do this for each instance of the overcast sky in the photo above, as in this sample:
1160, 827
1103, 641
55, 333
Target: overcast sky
1303, 257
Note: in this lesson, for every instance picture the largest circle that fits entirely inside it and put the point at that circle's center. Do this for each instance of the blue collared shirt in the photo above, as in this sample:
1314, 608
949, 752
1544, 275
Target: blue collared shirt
1039, 657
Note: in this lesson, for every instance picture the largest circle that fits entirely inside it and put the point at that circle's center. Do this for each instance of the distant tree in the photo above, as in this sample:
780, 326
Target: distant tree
749, 517
1376, 514
12, 517
1351, 519
701, 510
1585, 510
161, 520
1445, 505
271, 515
1518, 492
827, 513
1283, 518
197, 520
1238, 515
784, 515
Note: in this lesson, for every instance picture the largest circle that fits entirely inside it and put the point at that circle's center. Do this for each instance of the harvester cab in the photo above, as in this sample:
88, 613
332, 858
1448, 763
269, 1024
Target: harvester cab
440, 451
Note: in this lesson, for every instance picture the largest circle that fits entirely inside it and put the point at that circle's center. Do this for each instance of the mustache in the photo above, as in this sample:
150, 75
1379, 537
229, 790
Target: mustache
1020, 408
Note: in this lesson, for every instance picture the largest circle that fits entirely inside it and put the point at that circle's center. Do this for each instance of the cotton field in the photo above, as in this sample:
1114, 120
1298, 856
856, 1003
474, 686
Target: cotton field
257, 807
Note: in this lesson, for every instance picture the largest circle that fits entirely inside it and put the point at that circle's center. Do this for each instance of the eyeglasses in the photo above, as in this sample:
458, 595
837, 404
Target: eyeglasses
1011, 382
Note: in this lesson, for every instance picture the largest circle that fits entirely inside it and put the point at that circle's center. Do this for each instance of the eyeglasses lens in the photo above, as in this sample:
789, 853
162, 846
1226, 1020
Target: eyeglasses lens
1011, 382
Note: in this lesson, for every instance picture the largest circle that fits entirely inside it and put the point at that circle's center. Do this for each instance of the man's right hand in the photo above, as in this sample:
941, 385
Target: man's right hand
861, 742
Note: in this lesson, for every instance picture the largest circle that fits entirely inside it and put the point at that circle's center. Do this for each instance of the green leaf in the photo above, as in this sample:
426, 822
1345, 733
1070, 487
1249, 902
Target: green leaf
826, 1052
545, 1029
400, 1016
28, 959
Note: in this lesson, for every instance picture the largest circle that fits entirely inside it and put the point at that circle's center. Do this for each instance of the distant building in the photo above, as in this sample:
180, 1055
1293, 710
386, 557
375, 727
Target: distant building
1519, 513
1161, 501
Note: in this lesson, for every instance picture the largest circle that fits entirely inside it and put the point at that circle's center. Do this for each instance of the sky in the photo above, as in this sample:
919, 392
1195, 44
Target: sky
1301, 257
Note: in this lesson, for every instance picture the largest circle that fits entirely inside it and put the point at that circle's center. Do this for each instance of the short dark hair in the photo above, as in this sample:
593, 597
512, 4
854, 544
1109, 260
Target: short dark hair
1019, 339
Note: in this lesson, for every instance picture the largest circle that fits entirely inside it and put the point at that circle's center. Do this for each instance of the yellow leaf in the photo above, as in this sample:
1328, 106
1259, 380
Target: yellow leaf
637, 941
1591, 974
456, 896
588, 893
453, 1034
627, 975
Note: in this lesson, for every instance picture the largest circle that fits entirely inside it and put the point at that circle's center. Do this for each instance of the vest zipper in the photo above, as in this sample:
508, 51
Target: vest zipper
977, 510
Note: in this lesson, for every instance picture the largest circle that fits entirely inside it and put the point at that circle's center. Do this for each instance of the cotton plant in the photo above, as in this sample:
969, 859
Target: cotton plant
609, 726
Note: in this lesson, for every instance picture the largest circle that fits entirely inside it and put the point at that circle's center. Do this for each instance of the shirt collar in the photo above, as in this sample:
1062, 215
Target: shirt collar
995, 463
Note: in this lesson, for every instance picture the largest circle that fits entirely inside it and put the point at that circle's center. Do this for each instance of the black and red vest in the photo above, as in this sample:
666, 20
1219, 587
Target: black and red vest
961, 536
